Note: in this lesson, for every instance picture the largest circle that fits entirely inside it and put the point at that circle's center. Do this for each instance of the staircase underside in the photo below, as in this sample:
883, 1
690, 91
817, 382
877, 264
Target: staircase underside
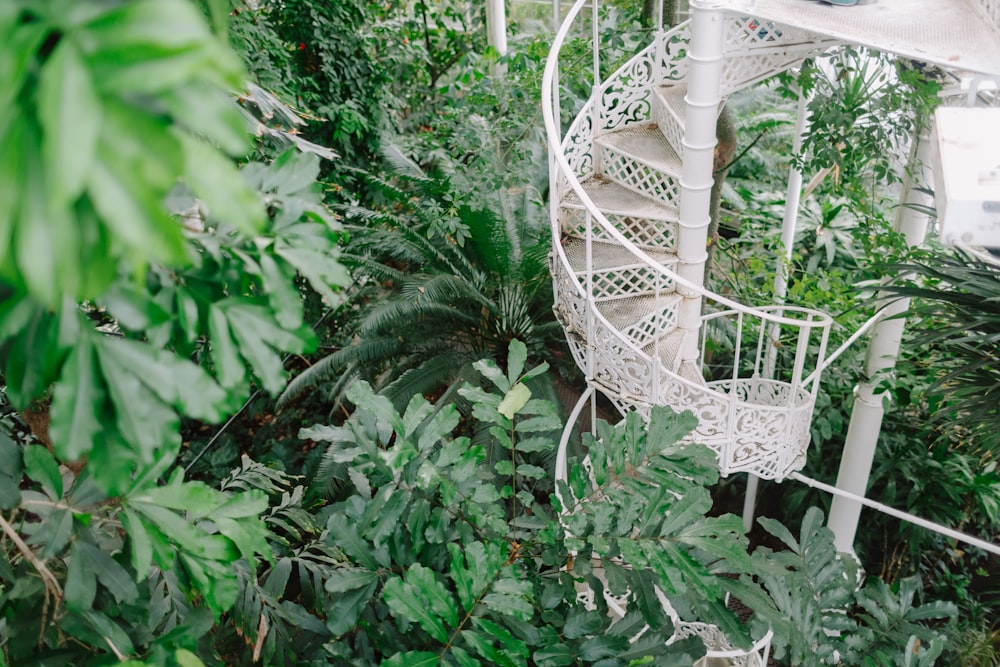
950, 33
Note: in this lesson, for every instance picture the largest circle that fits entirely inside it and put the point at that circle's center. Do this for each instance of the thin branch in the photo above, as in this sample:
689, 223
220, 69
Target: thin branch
52, 587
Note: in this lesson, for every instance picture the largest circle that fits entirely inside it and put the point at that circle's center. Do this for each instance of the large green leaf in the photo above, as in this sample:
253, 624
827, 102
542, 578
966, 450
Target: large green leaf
70, 112
77, 401
406, 602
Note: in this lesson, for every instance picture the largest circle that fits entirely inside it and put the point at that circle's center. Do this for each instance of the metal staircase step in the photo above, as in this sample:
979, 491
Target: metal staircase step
670, 113
957, 34
615, 199
642, 319
648, 224
608, 256
642, 160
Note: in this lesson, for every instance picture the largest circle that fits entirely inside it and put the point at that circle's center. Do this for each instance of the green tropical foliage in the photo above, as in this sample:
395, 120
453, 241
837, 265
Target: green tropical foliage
447, 279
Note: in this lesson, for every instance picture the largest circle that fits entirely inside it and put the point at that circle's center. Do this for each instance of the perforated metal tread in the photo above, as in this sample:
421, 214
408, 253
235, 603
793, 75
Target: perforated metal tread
952, 33
645, 144
633, 312
615, 199
672, 97
608, 256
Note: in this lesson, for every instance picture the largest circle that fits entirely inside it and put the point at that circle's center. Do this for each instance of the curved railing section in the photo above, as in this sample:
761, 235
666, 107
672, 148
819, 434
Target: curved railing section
753, 378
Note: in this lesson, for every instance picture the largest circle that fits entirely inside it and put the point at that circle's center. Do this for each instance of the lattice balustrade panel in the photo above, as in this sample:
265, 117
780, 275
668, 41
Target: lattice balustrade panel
710, 407
671, 127
640, 177
629, 281
645, 233
625, 97
571, 306
715, 640
770, 432
578, 146
744, 33
625, 371
744, 70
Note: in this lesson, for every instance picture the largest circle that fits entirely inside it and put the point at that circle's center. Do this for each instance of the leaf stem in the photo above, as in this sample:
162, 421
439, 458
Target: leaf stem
52, 587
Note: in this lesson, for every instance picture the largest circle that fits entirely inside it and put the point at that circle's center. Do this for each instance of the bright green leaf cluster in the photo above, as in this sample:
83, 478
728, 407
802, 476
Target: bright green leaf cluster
100, 87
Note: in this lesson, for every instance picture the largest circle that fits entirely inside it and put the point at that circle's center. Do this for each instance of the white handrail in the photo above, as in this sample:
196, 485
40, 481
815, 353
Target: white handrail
899, 514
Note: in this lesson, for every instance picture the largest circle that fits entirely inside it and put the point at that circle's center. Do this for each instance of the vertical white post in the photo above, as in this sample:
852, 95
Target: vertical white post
496, 32
788, 223
866, 417
704, 94
792, 195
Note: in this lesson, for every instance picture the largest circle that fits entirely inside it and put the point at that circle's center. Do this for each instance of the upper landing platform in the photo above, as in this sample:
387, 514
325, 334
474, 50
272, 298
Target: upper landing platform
956, 34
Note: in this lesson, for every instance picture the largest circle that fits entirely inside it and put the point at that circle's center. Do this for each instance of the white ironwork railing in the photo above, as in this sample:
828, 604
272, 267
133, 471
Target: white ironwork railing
765, 396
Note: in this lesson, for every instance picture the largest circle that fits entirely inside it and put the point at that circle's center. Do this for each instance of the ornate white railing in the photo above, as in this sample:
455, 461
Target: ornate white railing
755, 409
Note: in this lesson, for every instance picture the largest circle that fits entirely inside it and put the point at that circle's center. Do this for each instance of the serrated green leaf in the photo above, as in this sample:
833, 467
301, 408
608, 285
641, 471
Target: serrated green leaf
412, 659
76, 401
406, 602
440, 600
139, 541
517, 354
215, 180
340, 580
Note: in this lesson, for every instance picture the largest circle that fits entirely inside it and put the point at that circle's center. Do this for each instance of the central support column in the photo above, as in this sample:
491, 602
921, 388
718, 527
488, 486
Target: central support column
704, 94
868, 411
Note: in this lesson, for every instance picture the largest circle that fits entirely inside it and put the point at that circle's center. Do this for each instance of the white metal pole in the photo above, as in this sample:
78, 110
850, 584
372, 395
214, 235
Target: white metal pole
704, 94
496, 32
883, 348
792, 194
788, 223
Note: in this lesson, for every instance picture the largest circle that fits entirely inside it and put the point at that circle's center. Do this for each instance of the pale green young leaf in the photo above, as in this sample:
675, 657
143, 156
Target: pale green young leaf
514, 399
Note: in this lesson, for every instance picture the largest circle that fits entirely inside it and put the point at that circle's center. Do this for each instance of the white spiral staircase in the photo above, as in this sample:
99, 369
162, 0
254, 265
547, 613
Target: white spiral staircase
630, 185
629, 260
640, 330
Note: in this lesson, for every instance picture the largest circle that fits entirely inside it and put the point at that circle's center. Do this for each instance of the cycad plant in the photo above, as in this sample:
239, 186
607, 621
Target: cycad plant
446, 278
957, 297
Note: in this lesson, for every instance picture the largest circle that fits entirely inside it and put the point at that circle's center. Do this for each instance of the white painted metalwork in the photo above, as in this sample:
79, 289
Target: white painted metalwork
883, 348
956, 34
630, 216
990, 547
